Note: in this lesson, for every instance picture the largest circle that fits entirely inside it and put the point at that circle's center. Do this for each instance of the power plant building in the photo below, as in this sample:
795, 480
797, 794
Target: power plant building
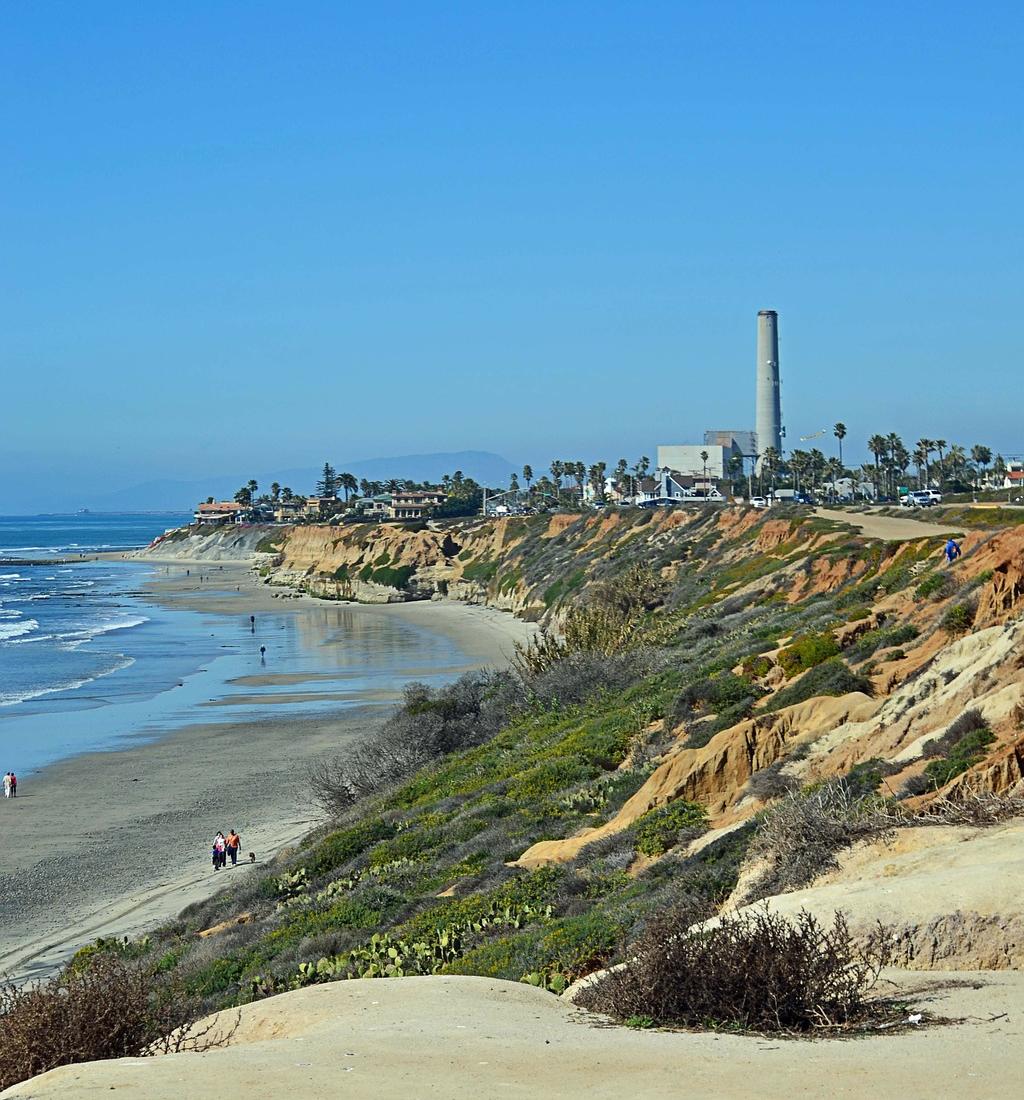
685, 458
724, 444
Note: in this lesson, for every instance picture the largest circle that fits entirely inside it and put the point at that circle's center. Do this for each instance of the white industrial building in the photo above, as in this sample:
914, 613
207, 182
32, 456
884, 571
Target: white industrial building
686, 459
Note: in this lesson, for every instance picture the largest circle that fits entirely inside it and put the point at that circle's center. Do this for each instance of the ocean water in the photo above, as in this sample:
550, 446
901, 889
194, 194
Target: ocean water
88, 662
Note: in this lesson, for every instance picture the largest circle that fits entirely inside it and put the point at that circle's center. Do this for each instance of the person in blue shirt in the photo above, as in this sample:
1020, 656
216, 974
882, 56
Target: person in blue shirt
952, 551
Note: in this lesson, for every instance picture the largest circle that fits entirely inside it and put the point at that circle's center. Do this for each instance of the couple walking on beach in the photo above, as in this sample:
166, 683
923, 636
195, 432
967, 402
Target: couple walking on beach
10, 785
224, 846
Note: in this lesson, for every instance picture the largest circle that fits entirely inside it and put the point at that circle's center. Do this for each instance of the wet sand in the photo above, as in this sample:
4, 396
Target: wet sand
114, 843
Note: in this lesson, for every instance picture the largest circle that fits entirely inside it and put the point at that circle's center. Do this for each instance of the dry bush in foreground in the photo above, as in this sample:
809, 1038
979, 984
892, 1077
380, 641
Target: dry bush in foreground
111, 1009
756, 971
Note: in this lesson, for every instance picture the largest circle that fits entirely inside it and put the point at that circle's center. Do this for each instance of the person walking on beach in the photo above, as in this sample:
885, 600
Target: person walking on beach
14, 785
219, 845
252, 623
7, 784
952, 550
233, 842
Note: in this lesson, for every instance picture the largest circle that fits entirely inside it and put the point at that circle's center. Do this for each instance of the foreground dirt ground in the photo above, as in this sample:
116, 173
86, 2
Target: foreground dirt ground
474, 1037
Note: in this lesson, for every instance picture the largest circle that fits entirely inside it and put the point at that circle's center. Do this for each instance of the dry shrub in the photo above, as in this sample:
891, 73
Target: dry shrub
980, 809
429, 724
756, 971
769, 783
111, 1009
799, 837
607, 623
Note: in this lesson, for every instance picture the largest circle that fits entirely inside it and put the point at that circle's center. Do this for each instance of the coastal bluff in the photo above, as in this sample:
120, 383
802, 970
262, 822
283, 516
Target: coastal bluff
525, 565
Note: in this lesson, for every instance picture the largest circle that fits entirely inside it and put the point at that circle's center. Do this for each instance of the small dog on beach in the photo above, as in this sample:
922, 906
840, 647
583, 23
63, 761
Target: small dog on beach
252, 857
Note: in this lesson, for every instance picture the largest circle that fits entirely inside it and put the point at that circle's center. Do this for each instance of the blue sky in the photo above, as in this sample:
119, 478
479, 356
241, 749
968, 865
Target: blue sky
255, 235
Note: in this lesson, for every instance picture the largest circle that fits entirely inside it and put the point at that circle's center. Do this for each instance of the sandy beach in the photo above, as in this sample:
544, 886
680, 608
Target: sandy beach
113, 843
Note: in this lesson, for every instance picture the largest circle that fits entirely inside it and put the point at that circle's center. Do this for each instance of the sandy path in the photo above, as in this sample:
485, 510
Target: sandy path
453, 1038
890, 528
113, 843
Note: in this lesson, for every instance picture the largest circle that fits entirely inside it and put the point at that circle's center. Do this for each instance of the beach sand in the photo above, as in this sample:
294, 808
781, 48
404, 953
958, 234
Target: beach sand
113, 843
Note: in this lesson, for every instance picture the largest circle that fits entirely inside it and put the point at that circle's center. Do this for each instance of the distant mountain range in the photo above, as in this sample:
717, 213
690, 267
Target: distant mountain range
166, 495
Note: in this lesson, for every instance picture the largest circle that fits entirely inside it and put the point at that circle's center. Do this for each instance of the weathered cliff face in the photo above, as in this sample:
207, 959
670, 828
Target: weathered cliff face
536, 567
530, 566
918, 691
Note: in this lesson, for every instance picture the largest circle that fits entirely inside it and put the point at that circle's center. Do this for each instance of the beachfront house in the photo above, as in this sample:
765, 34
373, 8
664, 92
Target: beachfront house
216, 512
288, 511
415, 503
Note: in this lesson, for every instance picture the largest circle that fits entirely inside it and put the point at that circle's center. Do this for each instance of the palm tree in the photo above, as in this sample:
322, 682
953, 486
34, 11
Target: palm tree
878, 447
579, 473
704, 459
981, 456
839, 431
557, 469
957, 460
834, 468
940, 446
595, 475
770, 461
924, 449
818, 466
620, 475
921, 462
799, 464
527, 474
252, 487
348, 483
513, 482
244, 495
275, 491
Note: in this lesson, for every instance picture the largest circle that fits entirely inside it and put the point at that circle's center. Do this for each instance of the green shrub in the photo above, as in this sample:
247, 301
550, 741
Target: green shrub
393, 576
484, 570
549, 777
340, 847
832, 677
659, 829
935, 584
755, 666
881, 638
967, 752
959, 618
806, 652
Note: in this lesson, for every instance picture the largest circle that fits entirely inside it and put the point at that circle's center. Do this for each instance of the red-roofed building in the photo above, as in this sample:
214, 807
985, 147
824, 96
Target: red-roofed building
219, 511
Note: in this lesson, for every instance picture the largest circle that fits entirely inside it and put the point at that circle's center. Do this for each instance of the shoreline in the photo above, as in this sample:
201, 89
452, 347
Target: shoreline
115, 842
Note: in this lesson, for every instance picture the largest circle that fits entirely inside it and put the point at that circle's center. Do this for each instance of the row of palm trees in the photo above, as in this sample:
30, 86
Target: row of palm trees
892, 462
568, 477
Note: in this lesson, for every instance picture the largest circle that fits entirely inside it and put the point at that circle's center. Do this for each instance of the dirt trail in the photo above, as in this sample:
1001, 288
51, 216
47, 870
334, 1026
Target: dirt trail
890, 528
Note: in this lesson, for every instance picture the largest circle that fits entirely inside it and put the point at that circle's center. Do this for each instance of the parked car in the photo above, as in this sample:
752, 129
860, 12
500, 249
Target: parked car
921, 498
759, 502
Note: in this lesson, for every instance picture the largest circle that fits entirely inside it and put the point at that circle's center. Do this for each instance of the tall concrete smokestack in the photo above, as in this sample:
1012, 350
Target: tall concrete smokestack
768, 422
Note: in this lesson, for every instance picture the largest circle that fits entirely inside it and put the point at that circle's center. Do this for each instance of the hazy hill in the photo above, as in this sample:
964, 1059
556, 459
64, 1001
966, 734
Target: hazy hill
171, 495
